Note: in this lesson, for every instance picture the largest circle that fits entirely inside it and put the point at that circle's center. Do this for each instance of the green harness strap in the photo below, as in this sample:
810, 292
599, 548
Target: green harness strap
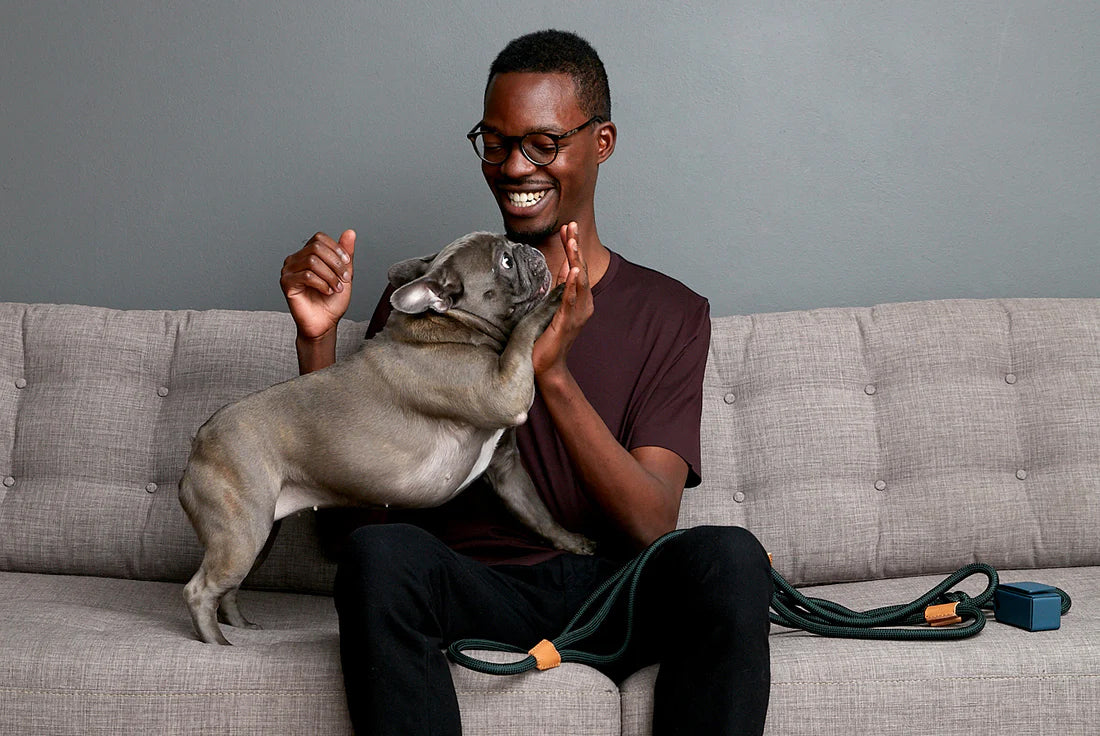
790, 609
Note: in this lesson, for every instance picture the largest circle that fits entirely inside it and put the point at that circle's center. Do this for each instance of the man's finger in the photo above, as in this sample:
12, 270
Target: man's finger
346, 247
563, 273
320, 253
572, 284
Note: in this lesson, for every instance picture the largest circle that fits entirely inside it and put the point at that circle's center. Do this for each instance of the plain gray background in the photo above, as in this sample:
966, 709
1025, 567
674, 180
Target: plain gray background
772, 155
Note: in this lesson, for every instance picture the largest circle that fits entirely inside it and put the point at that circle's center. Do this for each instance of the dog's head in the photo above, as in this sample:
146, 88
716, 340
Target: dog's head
482, 273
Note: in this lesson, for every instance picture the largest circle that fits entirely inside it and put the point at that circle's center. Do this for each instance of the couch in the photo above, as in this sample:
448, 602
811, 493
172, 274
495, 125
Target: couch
872, 450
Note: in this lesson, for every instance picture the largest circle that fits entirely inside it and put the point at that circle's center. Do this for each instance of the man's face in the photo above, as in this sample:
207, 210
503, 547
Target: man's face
535, 201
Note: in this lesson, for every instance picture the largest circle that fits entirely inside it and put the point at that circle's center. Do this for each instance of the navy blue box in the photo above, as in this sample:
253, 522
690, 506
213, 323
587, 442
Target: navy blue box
1031, 606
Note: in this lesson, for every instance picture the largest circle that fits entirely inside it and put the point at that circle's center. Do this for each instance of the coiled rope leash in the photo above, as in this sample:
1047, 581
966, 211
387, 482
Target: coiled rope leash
548, 654
940, 608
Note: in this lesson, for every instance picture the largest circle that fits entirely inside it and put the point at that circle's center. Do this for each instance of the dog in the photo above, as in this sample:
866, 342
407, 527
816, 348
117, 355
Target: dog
410, 420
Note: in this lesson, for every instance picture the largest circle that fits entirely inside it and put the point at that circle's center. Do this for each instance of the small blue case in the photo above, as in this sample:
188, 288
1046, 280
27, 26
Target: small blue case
1031, 606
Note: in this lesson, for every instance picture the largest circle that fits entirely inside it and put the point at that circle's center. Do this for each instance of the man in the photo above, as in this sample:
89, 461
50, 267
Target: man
611, 442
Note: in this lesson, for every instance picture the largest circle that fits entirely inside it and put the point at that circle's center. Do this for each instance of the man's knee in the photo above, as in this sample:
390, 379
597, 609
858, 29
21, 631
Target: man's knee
729, 543
377, 559
381, 543
723, 559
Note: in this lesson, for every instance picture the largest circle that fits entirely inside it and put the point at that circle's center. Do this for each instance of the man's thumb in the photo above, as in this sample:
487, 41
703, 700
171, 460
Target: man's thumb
347, 242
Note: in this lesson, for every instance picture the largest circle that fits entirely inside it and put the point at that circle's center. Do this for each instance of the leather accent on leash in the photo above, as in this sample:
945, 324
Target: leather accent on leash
546, 655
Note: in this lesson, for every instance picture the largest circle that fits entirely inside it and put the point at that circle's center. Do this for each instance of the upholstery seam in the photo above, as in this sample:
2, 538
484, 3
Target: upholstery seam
19, 401
268, 693
151, 694
964, 678
864, 322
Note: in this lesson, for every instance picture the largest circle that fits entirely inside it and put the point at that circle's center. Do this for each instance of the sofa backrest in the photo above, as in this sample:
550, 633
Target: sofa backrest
906, 438
856, 443
97, 410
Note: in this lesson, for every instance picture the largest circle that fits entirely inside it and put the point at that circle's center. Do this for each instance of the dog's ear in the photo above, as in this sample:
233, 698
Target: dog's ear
403, 272
424, 293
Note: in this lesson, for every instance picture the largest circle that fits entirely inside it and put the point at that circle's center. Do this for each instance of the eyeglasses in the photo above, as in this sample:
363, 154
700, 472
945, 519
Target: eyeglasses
539, 148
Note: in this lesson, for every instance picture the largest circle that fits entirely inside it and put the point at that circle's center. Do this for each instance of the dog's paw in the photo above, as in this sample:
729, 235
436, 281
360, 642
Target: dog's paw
547, 308
576, 543
555, 295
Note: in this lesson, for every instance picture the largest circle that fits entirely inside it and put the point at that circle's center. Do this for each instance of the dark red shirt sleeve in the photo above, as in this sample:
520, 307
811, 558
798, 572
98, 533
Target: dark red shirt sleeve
670, 415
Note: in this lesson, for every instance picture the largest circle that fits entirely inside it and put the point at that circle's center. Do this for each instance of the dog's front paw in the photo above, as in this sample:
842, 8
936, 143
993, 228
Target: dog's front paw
576, 543
555, 295
544, 312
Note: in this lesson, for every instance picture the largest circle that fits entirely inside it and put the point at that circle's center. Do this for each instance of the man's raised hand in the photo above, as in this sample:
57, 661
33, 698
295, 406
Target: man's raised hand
576, 307
316, 282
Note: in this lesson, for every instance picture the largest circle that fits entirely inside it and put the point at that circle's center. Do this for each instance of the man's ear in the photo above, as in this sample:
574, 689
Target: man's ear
403, 272
422, 294
606, 136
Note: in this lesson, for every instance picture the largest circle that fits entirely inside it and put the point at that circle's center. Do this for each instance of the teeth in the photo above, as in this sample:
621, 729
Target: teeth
524, 199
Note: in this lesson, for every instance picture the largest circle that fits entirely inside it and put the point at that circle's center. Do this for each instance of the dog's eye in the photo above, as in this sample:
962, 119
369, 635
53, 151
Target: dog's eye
505, 261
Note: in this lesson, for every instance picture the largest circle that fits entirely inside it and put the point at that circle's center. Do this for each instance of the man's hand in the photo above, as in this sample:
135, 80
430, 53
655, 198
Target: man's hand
316, 282
553, 345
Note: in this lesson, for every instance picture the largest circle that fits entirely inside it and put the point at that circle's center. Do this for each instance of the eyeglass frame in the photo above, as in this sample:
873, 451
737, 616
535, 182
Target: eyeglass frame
512, 140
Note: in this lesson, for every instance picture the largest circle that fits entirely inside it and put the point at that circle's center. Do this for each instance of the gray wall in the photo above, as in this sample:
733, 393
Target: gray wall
772, 155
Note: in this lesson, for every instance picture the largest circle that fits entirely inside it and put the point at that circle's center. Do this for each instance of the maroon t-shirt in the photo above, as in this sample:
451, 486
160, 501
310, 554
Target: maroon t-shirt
639, 361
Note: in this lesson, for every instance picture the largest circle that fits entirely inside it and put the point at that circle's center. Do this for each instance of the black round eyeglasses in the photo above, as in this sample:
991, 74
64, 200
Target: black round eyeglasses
538, 147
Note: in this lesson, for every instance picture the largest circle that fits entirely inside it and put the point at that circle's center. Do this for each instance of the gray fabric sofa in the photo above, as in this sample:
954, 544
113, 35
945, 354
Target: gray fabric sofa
871, 450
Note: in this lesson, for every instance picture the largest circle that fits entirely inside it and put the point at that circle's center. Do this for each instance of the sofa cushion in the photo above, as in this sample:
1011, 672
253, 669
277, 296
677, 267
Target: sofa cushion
82, 655
906, 439
995, 683
97, 408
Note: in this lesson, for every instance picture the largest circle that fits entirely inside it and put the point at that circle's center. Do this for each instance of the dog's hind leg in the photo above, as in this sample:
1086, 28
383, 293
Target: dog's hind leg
203, 599
229, 612
215, 584
232, 515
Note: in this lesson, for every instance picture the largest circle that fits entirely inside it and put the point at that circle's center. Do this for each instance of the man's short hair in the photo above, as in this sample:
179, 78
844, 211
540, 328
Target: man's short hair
561, 52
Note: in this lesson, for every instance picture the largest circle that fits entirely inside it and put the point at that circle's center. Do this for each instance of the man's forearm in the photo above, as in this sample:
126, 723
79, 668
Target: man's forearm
643, 504
316, 354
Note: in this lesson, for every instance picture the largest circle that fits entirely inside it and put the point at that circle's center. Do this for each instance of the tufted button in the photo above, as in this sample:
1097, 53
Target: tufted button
739, 497
162, 391
1021, 474
9, 481
151, 488
729, 398
870, 389
1010, 378
21, 383
880, 485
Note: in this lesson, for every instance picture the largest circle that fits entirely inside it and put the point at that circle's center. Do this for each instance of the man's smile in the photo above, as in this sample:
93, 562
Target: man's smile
525, 199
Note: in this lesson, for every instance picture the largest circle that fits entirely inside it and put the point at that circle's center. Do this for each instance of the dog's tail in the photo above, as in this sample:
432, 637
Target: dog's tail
185, 487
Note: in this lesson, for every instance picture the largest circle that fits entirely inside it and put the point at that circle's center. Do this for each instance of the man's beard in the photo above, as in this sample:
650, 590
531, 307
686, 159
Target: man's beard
533, 238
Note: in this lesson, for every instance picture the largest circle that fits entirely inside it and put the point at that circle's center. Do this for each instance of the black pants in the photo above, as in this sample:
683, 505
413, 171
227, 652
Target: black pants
702, 613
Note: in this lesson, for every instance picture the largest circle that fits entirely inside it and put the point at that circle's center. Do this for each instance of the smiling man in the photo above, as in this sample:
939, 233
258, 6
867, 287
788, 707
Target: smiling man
611, 442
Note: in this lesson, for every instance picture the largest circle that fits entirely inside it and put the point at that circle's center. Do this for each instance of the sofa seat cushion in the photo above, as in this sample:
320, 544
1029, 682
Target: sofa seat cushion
997, 682
87, 655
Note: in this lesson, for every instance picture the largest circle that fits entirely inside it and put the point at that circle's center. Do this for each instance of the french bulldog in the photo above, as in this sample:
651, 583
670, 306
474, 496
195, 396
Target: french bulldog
410, 420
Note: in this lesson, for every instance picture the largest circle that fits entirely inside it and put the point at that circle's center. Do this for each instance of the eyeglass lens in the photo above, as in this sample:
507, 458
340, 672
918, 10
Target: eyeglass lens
494, 148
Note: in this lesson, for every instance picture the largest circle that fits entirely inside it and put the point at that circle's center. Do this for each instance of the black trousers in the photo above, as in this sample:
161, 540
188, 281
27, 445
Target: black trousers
702, 613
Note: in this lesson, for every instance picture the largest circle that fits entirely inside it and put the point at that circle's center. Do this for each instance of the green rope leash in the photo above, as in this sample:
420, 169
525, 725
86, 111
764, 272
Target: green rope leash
790, 609
575, 631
